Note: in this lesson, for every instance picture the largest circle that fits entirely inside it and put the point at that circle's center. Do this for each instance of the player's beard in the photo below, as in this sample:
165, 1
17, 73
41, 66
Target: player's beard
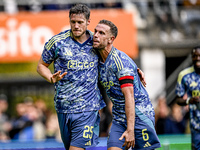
99, 47
197, 69
78, 36
196, 64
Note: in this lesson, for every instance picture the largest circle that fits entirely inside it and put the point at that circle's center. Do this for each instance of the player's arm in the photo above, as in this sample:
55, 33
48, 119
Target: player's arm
44, 71
182, 102
128, 92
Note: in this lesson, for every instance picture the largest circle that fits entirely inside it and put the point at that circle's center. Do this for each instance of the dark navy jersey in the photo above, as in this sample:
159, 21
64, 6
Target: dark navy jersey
189, 82
78, 90
117, 66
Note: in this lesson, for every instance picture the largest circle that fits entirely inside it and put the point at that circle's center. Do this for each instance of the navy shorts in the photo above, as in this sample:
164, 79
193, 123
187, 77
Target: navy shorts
145, 136
195, 134
79, 129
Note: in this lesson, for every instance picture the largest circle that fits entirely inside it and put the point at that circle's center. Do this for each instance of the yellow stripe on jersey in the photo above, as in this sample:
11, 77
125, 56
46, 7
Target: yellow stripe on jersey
184, 72
57, 38
118, 61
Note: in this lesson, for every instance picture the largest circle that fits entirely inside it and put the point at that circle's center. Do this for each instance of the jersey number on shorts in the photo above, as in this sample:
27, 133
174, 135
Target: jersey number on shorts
88, 132
145, 135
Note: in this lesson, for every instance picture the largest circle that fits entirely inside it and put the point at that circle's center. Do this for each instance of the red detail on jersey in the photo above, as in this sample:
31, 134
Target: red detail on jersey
125, 85
126, 77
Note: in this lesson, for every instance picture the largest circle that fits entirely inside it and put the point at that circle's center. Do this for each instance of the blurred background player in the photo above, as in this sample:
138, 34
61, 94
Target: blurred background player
5, 124
189, 83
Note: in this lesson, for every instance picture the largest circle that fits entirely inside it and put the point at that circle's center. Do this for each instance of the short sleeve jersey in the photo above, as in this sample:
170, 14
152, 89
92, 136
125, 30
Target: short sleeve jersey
78, 90
118, 65
189, 82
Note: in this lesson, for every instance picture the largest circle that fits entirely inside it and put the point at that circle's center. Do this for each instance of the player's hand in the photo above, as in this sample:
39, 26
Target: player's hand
129, 139
57, 76
141, 75
194, 100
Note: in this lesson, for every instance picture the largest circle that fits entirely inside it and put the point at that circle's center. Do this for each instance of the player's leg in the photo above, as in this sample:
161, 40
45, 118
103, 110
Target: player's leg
115, 133
195, 135
75, 148
64, 125
84, 130
114, 148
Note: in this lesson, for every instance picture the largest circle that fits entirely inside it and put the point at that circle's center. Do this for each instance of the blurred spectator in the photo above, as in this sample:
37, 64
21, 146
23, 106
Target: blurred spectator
170, 120
191, 3
50, 7
28, 100
28, 123
3, 105
190, 17
21, 125
105, 4
31, 5
52, 127
175, 123
167, 19
41, 105
112, 4
35, 116
139, 15
5, 125
10, 6
161, 114
58, 6
143, 8
35, 5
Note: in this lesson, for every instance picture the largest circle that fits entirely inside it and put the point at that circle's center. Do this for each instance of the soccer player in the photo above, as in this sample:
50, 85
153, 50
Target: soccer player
133, 113
188, 82
77, 96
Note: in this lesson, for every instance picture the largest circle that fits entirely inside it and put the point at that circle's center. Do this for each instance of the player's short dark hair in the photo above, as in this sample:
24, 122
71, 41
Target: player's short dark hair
113, 28
80, 9
195, 48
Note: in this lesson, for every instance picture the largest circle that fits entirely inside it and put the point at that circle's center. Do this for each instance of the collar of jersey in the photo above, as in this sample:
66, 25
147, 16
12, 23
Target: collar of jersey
88, 41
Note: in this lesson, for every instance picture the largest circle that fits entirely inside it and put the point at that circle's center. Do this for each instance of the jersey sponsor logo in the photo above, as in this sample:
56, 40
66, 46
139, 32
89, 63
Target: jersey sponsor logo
83, 65
195, 93
147, 144
107, 84
193, 84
